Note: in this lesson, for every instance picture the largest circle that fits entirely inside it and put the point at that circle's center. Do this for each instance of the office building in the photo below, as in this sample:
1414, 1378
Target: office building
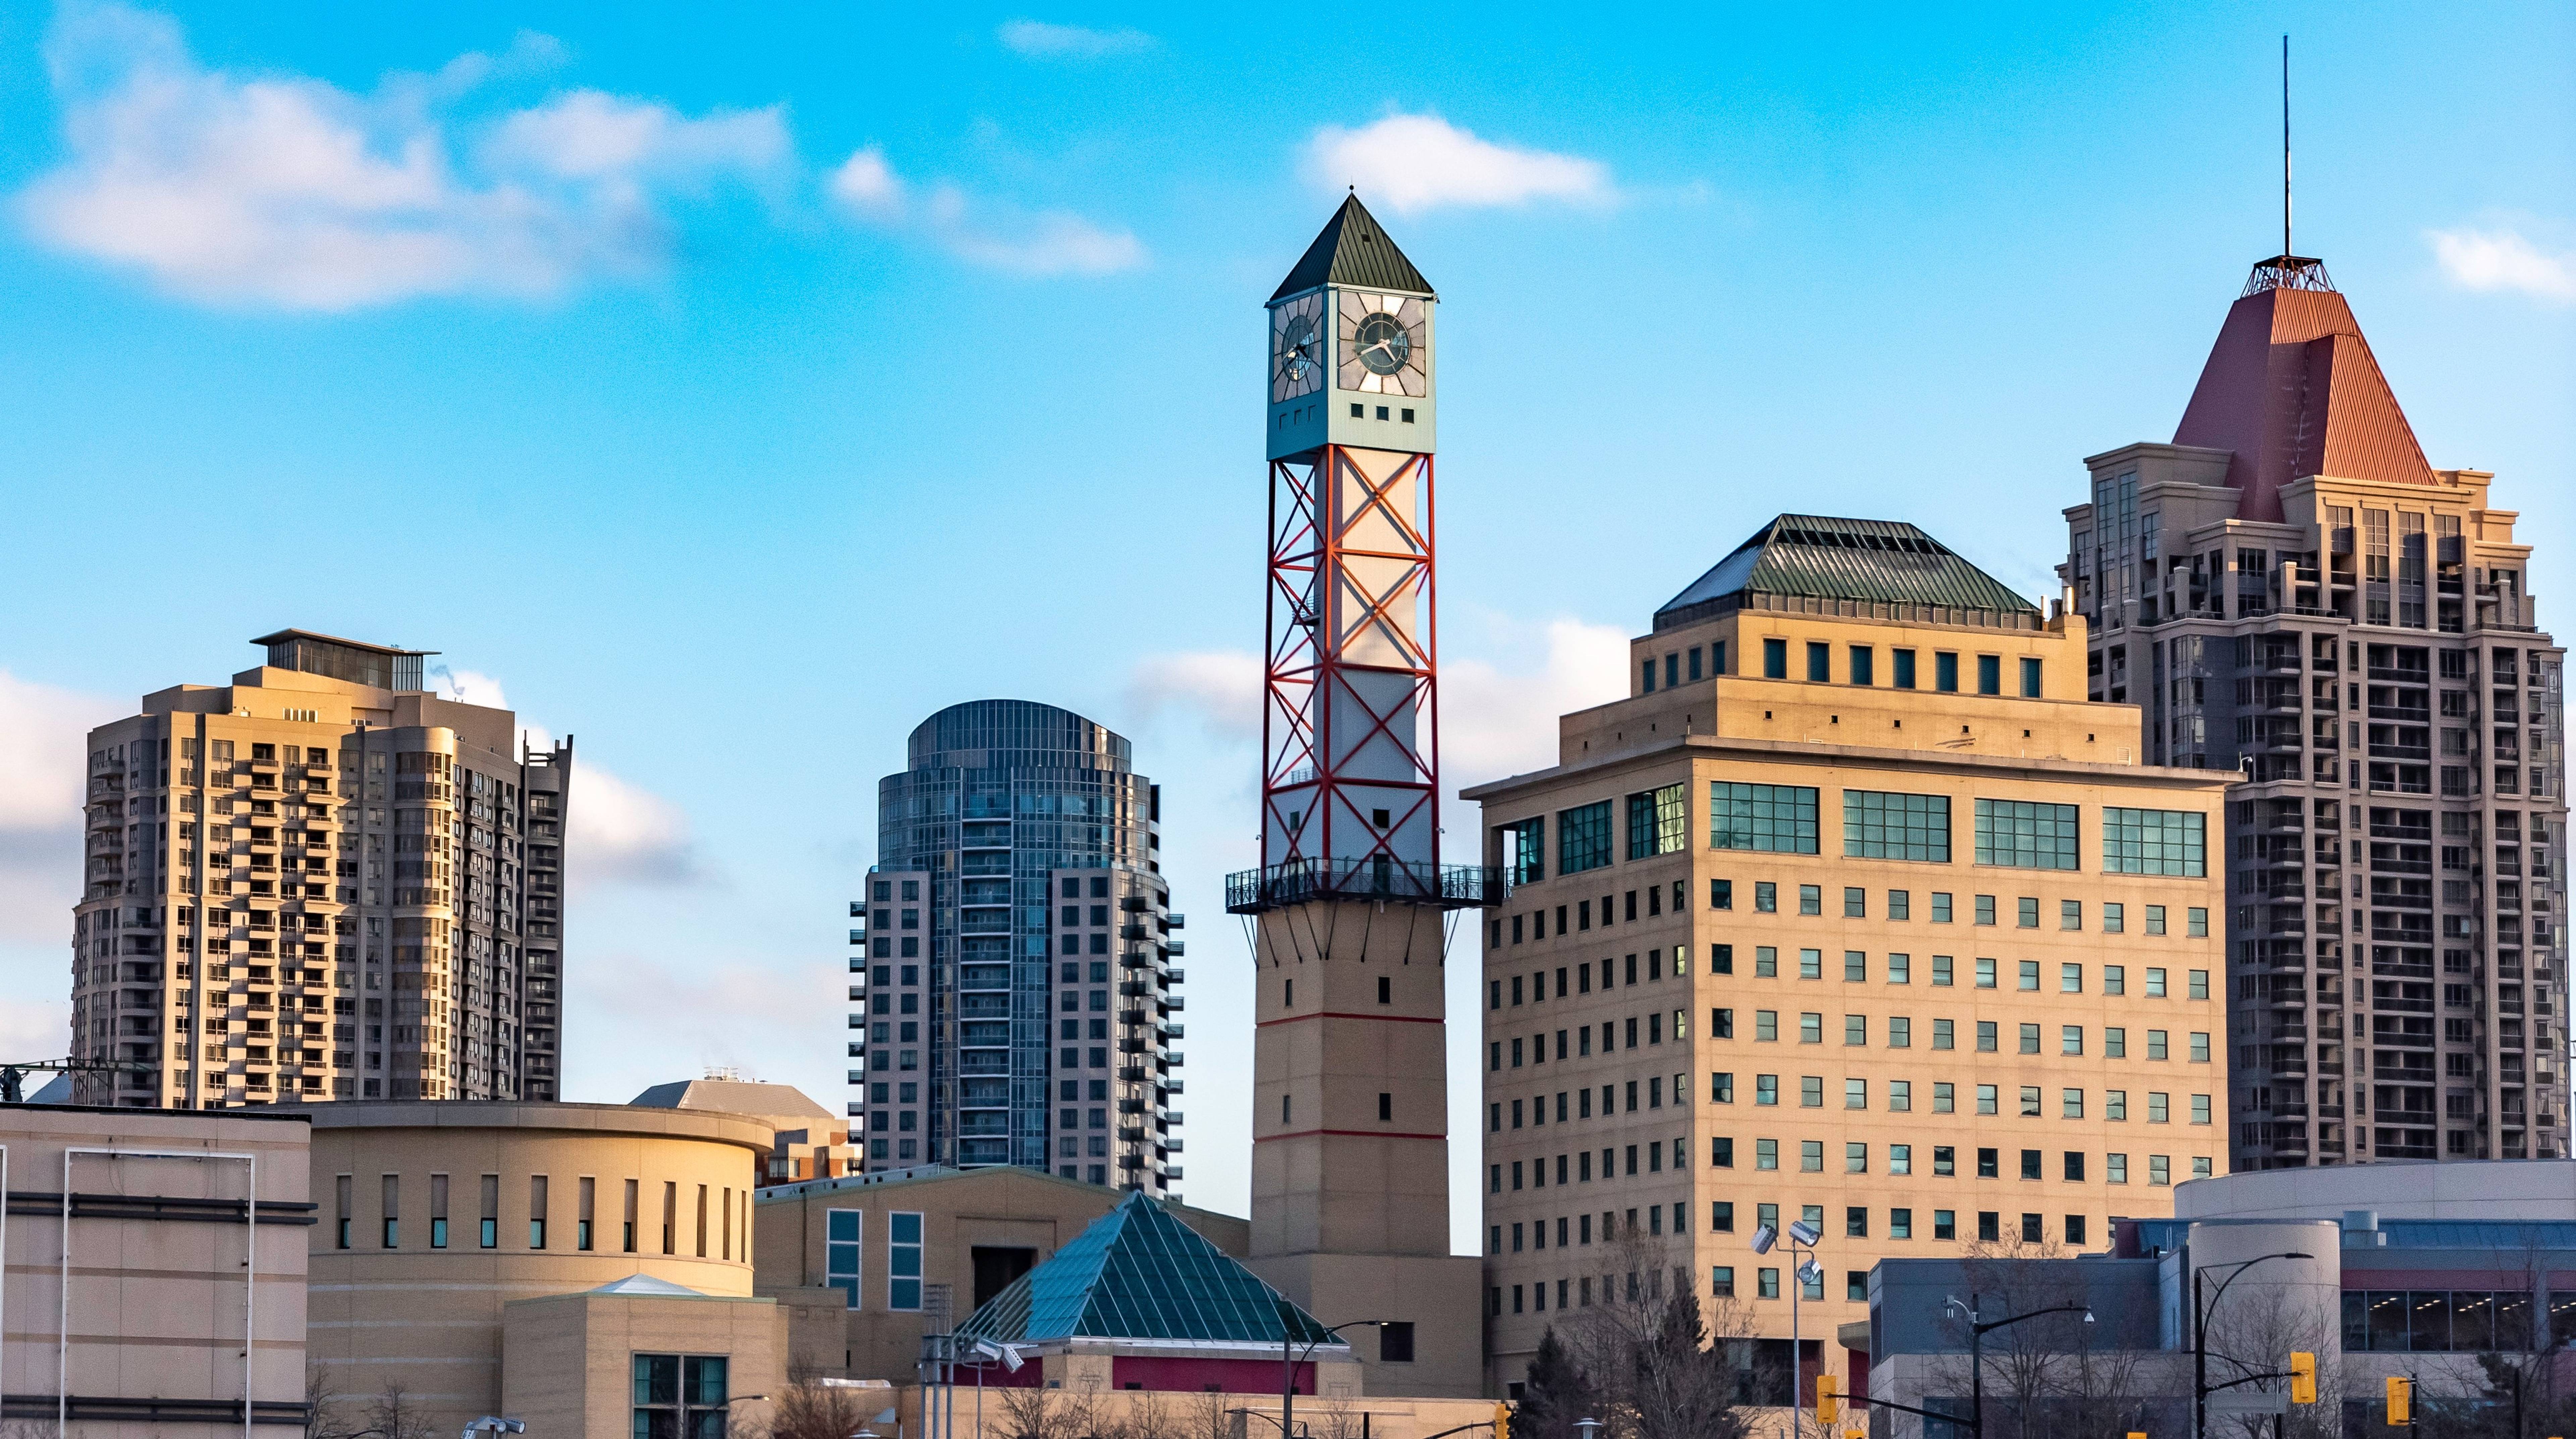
1855, 911
1014, 994
2292, 593
1350, 1122
319, 882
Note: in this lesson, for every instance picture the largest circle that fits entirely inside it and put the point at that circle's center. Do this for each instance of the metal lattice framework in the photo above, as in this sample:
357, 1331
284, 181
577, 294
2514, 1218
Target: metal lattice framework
1348, 560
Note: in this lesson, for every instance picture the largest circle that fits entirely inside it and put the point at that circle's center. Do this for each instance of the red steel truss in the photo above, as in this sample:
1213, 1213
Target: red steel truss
1318, 503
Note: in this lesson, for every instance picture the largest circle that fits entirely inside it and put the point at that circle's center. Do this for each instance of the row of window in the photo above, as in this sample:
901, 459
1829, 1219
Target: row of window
843, 1233
1898, 970
1860, 667
1984, 909
1577, 1167
1899, 1034
728, 1210
1811, 1095
1784, 819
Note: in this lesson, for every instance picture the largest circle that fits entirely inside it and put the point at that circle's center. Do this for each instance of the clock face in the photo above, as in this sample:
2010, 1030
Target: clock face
1384, 344
1297, 348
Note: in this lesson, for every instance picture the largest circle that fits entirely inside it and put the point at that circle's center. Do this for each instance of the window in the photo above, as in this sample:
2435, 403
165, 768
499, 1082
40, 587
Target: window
1900, 904
2200, 1109
841, 1234
1863, 665
1766, 1025
1941, 971
1945, 671
2070, 979
1395, 1338
2029, 679
2070, 914
1990, 674
1855, 903
2155, 1044
1583, 838
2199, 1048
680, 1396
2159, 1169
1985, 909
1811, 1091
2197, 984
536, 1211
2114, 917
1820, 663
2159, 1109
1855, 1158
1945, 1224
1855, 1094
2196, 922
1896, 826
2115, 1168
1900, 1095
2030, 1109
1900, 1032
1721, 1278
2026, 834
2115, 979
1986, 1036
1766, 1154
1811, 963
1766, 897
1900, 967
2154, 841
1524, 850
1988, 1099
2027, 975
1985, 974
1944, 1034
2070, 1103
1944, 1097
1811, 1156
392, 1215
1780, 819
1811, 1028
2070, 1039
491, 1216
1658, 821
1766, 1089
2029, 912
2115, 1105
903, 1261
1775, 659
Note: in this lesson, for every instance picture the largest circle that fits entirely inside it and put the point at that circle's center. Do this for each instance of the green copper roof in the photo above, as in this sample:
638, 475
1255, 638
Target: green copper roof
1139, 1273
1863, 561
1353, 250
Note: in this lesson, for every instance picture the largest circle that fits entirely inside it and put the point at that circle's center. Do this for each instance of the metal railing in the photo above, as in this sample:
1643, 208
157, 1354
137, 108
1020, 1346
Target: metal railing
1378, 877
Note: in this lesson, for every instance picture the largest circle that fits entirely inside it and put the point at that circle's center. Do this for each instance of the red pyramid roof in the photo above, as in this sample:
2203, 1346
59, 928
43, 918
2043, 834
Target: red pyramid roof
2292, 388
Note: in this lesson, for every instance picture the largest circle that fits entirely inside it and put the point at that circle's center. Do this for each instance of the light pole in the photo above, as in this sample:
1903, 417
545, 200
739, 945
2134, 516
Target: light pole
2200, 1332
1977, 1351
1802, 1238
1288, 1366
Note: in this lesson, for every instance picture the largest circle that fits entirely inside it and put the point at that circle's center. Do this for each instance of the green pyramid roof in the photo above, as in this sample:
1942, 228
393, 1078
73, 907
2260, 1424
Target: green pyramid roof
1139, 1273
1353, 250
1864, 561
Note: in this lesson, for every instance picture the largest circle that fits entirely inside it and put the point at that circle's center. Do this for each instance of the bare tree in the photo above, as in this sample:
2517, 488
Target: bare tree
326, 1409
1654, 1361
807, 1410
1146, 1416
394, 1414
1210, 1416
2022, 1361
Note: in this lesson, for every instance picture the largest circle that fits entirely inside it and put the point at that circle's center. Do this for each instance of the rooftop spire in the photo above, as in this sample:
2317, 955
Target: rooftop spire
1353, 249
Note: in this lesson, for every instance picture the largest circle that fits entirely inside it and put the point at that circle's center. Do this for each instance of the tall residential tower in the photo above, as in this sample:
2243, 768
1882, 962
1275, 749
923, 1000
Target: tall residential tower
2293, 594
1015, 995
320, 881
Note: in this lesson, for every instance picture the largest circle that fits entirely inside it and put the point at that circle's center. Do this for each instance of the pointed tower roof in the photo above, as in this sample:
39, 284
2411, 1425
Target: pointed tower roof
1352, 249
1872, 562
1139, 1273
2292, 388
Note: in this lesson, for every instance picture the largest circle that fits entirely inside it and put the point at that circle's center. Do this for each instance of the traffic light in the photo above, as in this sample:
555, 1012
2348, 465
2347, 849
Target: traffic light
1829, 1404
1502, 1420
2303, 1378
2401, 1399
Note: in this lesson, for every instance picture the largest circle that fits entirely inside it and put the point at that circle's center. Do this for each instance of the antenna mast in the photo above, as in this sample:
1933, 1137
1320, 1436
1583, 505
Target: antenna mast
2285, 148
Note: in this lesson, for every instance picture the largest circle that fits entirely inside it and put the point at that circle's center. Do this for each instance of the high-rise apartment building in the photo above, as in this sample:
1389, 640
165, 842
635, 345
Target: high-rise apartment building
1855, 911
2292, 594
1015, 996
319, 882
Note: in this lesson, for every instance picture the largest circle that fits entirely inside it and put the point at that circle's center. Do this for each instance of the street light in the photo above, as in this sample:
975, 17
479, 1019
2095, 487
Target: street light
1288, 1366
2200, 1332
1977, 1351
1801, 1237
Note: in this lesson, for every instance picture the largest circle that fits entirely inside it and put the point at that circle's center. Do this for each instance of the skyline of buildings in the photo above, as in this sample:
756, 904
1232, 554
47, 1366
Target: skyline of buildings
320, 881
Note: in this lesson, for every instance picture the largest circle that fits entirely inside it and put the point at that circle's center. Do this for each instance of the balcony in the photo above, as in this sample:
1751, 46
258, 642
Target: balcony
1254, 891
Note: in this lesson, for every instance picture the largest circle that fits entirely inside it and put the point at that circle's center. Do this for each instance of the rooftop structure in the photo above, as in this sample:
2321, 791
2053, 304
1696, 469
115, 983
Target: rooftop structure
1879, 569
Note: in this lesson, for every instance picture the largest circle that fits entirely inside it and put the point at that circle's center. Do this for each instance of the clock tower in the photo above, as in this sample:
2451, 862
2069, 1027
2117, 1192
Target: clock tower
1350, 1161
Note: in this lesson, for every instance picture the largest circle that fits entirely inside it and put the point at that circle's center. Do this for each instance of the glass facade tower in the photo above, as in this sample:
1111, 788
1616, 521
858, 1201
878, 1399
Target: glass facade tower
1017, 990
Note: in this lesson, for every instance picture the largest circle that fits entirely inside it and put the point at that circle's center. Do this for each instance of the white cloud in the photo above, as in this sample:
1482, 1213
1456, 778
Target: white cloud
290, 192
1413, 163
991, 233
2501, 259
621, 833
1497, 722
1041, 41
1220, 688
674, 1021
43, 765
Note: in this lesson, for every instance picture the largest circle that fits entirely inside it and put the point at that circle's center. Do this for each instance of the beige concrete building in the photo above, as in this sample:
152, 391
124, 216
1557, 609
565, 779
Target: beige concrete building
1855, 910
911, 1252
807, 1141
527, 1258
319, 882
2291, 590
174, 1304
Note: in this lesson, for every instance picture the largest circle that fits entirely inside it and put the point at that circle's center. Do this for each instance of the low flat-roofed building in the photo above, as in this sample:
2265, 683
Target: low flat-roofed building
537, 1260
176, 1309
2457, 1275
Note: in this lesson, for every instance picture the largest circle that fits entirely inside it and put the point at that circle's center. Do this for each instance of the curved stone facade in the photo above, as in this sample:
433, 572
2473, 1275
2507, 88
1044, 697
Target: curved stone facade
435, 1215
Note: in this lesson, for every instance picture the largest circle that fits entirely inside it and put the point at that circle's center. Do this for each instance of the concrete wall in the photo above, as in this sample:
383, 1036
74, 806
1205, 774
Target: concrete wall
2452, 1189
156, 1301
571, 1356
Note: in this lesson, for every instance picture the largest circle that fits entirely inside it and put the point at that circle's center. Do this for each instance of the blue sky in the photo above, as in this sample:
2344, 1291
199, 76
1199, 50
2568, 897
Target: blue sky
732, 394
